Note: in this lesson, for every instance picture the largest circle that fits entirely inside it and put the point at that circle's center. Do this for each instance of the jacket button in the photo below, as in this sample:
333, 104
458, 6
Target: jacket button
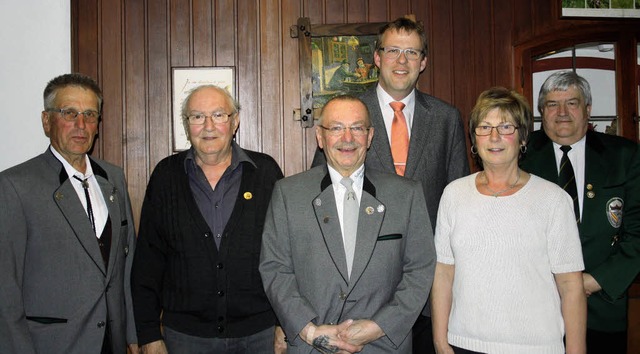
101, 324
220, 293
220, 329
206, 234
219, 265
220, 318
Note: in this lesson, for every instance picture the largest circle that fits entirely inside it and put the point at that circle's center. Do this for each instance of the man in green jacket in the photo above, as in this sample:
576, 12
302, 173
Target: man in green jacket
607, 195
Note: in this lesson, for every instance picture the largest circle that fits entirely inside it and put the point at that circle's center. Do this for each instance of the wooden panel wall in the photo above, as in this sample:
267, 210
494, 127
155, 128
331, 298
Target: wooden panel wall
130, 47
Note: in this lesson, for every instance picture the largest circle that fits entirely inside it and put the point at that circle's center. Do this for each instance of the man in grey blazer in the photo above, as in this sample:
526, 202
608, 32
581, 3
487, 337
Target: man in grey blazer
329, 296
437, 151
66, 237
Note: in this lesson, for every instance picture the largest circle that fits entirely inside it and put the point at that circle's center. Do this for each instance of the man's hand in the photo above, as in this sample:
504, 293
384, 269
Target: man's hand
324, 338
279, 345
361, 332
591, 285
133, 349
156, 347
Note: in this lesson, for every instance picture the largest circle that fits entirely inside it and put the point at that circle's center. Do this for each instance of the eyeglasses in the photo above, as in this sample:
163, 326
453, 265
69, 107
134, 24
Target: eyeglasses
338, 130
502, 129
71, 115
393, 53
200, 118
553, 106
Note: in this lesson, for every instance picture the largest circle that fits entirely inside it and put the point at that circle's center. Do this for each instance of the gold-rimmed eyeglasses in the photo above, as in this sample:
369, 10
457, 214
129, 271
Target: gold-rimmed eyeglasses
71, 115
339, 130
198, 118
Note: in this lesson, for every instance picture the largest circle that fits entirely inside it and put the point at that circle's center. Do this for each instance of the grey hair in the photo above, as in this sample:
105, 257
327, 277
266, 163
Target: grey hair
185, 104
562, 81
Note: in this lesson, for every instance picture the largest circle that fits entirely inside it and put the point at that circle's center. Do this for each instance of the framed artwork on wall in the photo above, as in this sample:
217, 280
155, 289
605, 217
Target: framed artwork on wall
334, 59
601, 8
185, 79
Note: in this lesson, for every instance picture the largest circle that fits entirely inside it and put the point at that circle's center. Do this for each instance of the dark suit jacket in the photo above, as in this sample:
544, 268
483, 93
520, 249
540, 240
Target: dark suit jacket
610, 237
303, 263
437, 149
55, 291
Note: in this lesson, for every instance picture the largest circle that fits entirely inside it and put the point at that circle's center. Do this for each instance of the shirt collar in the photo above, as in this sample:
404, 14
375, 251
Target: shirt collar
357, 176
385, 98
71, 171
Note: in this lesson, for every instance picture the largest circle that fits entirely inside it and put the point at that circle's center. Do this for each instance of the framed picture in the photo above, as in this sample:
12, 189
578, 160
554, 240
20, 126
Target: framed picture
601, 8
185, 79
334, 59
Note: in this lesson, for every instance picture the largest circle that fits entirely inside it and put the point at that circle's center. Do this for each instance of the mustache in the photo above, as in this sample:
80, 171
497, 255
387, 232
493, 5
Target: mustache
352, 145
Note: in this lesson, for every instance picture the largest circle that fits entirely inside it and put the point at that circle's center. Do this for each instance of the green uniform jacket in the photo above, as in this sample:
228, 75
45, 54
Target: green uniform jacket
610, 225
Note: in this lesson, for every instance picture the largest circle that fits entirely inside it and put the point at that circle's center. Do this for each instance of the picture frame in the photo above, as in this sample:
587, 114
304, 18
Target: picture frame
326, 49
185, 79
600, 8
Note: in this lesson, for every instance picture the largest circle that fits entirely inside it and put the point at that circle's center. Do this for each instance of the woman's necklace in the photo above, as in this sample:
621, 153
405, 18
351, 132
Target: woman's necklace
496, 194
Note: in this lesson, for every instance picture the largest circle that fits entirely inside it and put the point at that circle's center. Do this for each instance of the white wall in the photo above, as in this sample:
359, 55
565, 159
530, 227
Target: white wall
35, 37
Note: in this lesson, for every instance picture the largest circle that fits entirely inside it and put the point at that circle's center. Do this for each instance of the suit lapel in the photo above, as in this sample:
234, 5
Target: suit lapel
370, 218
110, 195
380, 145
542, 162
419, 128
594, 176
67, 200
324, 206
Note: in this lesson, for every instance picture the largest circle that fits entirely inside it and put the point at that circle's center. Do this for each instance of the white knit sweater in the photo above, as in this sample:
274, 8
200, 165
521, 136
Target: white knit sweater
505, 251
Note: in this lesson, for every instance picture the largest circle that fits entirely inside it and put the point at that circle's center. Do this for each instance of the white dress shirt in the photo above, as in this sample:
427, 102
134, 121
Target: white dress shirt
98, 204
387, 112
576, 156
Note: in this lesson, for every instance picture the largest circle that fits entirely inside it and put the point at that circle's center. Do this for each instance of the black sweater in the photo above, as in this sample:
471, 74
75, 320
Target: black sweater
179, 272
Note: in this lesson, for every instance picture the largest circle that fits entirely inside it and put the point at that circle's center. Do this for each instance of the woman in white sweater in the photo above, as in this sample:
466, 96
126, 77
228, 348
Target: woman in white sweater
508, 274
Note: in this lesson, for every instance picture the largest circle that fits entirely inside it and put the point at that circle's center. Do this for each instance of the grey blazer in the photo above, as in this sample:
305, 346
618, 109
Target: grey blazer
55, 291
437, 149
303, 263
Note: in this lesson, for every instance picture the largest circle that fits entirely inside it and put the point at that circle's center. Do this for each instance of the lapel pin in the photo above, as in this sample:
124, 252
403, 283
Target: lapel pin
369, 210
59, 196
248, 195
317, 202
112, 198
380, 208
326, 220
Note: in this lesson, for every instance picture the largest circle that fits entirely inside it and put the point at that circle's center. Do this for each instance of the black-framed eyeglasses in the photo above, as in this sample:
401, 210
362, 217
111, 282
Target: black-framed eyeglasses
217, 117
338, 130
71, 115
502, 129
392, 53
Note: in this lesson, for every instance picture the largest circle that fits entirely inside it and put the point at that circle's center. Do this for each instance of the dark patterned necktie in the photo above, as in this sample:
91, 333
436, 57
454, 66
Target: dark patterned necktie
567, 179
85, 186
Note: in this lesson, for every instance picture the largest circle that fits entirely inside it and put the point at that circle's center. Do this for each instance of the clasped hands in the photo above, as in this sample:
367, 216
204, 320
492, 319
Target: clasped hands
347, 337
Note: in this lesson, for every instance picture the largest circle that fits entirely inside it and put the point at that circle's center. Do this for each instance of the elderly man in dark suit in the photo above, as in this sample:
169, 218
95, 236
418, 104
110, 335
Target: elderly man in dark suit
347, 251
606, 190
422, 139
66, 237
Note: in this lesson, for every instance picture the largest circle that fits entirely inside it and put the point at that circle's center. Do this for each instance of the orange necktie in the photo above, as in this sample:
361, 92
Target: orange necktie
399, 138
